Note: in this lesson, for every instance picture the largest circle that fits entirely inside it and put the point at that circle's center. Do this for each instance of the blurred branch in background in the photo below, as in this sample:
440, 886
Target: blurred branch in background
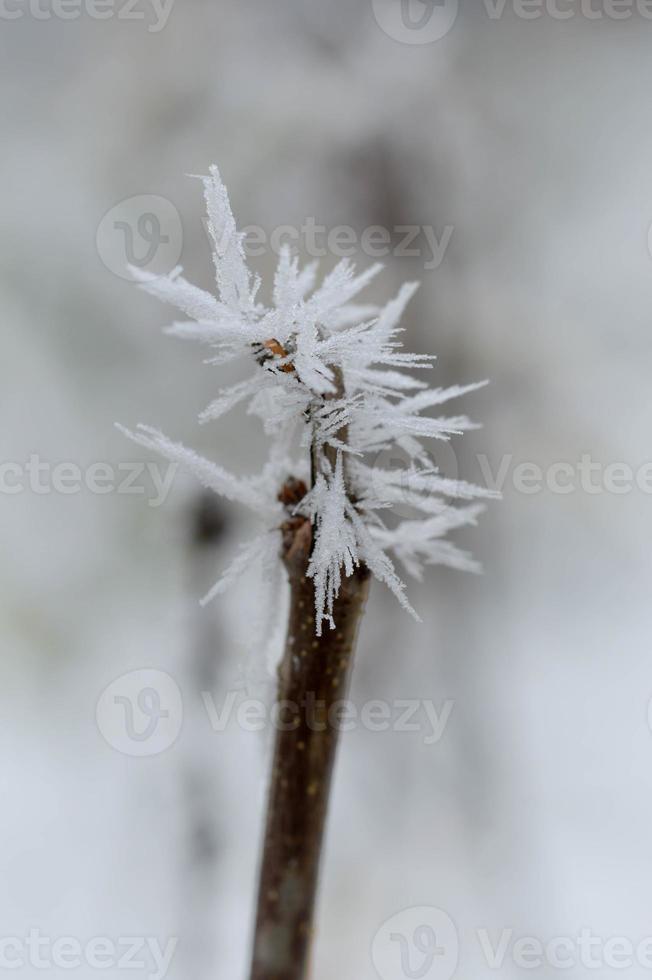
207, 530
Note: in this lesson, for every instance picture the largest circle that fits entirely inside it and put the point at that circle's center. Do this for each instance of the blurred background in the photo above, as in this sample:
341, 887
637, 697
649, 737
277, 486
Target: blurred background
524, 144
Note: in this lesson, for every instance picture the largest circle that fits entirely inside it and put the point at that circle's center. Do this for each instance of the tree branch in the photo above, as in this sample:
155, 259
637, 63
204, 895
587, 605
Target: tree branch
313, 676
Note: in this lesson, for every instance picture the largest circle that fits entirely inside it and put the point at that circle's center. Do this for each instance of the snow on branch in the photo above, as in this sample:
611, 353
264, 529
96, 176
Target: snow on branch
334, 369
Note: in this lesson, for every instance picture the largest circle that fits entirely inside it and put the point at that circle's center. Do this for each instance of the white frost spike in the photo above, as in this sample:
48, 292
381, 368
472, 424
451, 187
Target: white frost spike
174, 289
332, 368
210, 475
248, 555
223, 332
388, 323
230, 397
313, 371
418, 543
426, 481
289, 287
387, 382
335, 546
437, 396
379, 563
349, 316
339, 288
233, 278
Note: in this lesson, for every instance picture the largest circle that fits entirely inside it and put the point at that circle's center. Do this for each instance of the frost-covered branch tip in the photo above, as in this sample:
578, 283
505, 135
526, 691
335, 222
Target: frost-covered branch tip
330, 383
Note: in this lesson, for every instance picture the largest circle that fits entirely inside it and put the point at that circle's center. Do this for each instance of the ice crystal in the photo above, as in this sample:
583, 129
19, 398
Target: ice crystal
334, 370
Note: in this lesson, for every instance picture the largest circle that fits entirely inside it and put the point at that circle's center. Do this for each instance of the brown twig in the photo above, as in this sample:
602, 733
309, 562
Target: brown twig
313, 677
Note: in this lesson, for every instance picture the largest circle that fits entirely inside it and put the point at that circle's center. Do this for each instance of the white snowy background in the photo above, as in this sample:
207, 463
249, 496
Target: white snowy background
533, 140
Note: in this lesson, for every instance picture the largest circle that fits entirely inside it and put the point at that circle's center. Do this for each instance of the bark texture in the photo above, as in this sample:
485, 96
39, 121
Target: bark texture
313, 676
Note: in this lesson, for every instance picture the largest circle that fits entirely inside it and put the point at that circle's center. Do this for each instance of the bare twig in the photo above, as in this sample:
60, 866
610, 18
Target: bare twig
313, 675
